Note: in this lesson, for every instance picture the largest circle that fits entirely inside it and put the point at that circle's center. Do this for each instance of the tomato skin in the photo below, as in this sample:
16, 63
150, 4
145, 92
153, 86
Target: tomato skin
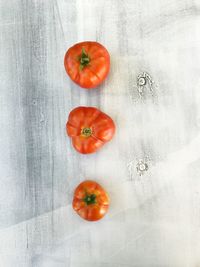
97, 207
94, 67
89, 129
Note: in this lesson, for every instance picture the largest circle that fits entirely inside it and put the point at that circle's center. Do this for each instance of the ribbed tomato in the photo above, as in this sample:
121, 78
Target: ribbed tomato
87, 63
90, 201
89, 129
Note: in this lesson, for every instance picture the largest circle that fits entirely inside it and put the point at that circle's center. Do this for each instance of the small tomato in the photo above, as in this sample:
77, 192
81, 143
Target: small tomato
90, 201
89, 129
87, 64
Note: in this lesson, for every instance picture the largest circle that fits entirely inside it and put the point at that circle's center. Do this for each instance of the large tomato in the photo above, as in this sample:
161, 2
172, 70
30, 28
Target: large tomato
87, 64
90, 201
89, 129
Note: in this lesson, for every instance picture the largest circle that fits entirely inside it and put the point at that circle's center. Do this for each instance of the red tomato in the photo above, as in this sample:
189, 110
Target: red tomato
89, 129
87, 64
90, 201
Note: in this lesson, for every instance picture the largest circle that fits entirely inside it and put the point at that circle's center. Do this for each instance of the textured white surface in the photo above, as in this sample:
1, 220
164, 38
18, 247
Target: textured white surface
154, 218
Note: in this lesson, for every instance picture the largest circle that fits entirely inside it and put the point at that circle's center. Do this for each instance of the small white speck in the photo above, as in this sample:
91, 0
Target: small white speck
141, 81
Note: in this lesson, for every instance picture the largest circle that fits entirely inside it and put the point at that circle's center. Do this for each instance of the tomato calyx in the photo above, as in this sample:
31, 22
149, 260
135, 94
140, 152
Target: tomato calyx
86, 132
90, 199
84, 59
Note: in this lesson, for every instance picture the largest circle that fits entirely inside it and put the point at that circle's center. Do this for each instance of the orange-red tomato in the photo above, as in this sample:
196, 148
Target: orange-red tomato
89, 129
87, 64
90, 201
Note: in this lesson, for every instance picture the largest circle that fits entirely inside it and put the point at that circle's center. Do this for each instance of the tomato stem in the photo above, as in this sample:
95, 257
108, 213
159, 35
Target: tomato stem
86, 132
84, 59
90, 199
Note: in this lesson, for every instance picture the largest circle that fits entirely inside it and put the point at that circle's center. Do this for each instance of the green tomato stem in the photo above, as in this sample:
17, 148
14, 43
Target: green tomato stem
90, 199
84, 59
86, 132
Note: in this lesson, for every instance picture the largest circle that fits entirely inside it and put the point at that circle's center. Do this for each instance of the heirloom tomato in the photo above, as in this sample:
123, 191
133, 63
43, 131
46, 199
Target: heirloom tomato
89, 129
87, 64
90, 201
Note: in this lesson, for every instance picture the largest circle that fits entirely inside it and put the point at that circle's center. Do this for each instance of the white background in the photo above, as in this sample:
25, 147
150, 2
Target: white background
154, 219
